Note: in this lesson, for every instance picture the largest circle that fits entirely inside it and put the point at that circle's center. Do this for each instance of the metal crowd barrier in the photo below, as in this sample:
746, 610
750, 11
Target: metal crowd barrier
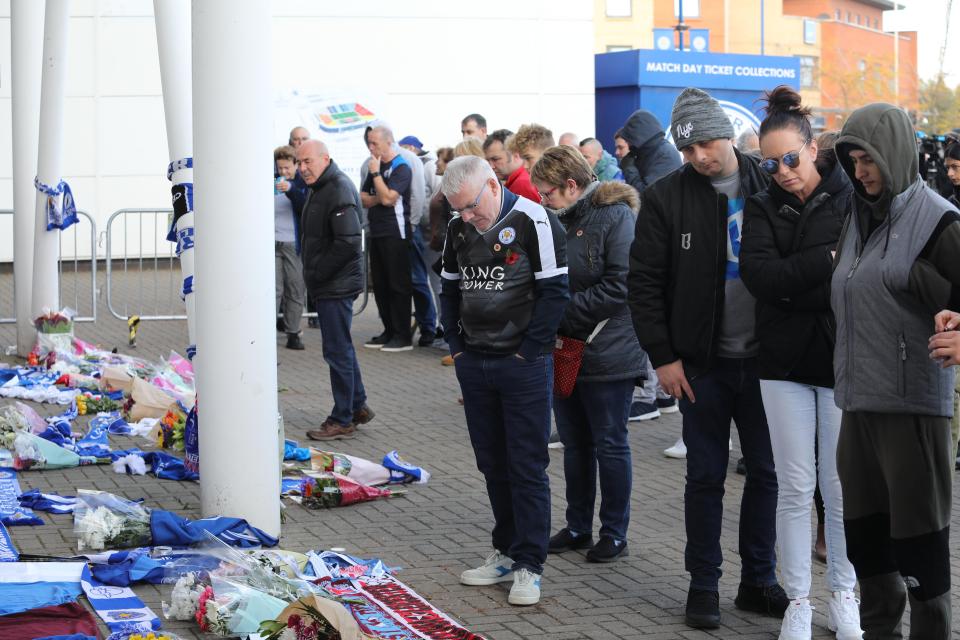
145, 253
69, 236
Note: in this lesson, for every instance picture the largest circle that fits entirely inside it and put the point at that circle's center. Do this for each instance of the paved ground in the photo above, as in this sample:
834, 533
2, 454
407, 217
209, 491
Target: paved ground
439, 529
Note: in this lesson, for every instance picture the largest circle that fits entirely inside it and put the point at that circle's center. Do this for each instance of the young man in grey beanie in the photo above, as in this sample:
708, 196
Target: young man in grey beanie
695, 319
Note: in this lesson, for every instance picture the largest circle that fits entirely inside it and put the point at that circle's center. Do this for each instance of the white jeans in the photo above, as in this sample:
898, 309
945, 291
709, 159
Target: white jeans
802, 417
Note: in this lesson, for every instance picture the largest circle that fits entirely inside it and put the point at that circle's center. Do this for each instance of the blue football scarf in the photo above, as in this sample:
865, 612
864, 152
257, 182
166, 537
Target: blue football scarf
95, 444
123, 568
11, 511
170, 530
49, 502
60, 213
112, 422
159, 463
31, 585
119, 607
402, 472
8, 552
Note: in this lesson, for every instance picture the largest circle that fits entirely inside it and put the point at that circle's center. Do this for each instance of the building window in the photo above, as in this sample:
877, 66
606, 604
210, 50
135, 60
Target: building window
858, 18
876, 23
613, 48
809, 32
808, 72
619, 8
849, 17
691, 8
838, 15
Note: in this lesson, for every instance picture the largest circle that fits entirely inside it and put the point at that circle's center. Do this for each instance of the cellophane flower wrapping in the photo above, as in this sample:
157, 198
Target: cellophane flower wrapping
12, 422
326, 490
102, 520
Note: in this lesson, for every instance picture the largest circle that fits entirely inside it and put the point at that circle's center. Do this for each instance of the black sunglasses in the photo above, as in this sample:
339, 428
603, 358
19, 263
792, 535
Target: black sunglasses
791, 159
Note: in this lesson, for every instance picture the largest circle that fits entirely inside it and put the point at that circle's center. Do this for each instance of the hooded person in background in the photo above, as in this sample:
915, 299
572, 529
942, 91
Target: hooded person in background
895, 268
648, 156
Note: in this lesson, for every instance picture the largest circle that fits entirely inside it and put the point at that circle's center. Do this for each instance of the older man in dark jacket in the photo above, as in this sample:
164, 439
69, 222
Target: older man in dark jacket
333, 269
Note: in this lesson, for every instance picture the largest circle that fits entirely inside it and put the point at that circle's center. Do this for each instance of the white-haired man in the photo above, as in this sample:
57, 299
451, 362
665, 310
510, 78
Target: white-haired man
503, 293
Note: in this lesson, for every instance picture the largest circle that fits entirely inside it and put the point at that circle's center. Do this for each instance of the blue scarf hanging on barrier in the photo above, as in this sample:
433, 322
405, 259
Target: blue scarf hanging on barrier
61, 213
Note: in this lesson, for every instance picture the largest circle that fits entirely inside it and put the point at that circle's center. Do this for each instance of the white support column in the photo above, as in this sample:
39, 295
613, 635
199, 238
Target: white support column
173, 42
236, 338
46, 246
26, 44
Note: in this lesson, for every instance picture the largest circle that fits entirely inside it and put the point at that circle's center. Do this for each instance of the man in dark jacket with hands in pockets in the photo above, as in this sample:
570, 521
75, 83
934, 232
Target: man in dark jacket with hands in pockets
333, 270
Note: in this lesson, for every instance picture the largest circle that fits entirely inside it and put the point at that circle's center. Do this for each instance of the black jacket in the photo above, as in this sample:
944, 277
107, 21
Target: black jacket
598, 251
651, 157
332, 249
785, 262
678, 265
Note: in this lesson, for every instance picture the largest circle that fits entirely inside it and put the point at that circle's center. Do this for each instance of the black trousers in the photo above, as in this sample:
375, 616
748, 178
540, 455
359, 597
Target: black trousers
392, 285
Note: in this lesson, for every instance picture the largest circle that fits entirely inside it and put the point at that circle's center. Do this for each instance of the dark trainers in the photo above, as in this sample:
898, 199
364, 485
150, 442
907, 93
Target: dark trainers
280, 327
742, 467
330, 430
607, 549
426, 339
771, 601
294, 342
703, 609
397, 344
377, 342
363, 415
566, 540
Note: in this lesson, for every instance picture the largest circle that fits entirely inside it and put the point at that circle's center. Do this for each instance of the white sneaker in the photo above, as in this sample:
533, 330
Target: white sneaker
526, 588
730, 444
496, 568
844, 615
678, 450
797, 621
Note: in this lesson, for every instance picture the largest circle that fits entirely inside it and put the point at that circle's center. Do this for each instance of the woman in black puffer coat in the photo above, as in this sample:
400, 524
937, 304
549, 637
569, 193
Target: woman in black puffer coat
599, 219
790, 233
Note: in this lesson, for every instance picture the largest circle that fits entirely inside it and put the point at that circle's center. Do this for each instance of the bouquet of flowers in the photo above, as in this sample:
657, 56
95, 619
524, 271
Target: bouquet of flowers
185, 598
170, 428
56, 322
102, 520
323, 490
12, 422
308, 624
91, 403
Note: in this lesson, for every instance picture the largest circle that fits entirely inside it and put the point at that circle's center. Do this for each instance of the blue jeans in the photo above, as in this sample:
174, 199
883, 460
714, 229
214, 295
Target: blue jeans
424, 307
730, 390
335, 317
507, 404
592, 424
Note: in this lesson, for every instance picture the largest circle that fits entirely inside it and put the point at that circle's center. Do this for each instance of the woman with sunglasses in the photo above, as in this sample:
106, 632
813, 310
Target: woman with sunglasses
790, 232
599, 219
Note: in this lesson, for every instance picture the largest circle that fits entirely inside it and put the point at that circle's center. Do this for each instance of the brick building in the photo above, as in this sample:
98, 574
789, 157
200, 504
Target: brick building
846, 59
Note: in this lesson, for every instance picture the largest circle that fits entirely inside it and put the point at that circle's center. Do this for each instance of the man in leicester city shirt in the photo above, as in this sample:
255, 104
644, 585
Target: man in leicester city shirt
695, 319
504, 289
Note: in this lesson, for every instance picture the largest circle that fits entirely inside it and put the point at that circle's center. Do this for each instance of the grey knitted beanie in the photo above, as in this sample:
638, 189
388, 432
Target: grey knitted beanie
698, 117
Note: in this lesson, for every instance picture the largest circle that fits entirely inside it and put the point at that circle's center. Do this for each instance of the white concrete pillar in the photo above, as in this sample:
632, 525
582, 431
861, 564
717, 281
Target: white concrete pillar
46, 246
26, 48
173, 42
236, 334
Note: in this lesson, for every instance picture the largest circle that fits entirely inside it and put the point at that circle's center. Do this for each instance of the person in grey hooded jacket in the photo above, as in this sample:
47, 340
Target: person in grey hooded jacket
896, 266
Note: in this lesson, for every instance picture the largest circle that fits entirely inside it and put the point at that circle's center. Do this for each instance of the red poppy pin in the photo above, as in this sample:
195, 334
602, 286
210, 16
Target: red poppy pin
512, 257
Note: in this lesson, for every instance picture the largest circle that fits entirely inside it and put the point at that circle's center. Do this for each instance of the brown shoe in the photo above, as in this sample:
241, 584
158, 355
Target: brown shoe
363, 415
332, 431
447, 360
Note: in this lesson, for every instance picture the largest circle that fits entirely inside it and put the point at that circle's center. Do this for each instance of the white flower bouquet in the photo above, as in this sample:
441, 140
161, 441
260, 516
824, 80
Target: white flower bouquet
102, 520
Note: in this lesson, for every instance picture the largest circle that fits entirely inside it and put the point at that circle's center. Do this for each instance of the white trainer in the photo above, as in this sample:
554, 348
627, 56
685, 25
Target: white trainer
526, 588
678, 450
844, 615
797, 621
496, 568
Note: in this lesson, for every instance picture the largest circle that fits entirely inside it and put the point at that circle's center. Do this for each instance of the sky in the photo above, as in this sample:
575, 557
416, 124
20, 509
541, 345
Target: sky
931, 27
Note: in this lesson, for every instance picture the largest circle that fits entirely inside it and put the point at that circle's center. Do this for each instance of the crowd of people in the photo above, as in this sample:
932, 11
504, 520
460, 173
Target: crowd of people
804, 288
